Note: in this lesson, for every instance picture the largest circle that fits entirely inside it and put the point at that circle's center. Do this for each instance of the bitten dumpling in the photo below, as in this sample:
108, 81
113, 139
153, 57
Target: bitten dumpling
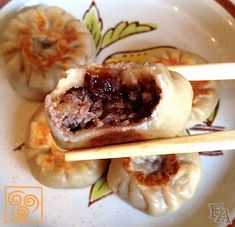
39, 44
155, 185
107, 104
206, 93
47, 162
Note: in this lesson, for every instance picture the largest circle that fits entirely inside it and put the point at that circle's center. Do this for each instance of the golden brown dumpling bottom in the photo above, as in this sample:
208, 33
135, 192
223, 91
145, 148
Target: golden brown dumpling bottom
155, 185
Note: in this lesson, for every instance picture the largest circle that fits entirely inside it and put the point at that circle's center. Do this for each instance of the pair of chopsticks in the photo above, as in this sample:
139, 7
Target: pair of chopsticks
186, 144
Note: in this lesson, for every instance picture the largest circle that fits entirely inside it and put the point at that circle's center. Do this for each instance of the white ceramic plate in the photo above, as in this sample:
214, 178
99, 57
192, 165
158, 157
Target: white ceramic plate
203, 27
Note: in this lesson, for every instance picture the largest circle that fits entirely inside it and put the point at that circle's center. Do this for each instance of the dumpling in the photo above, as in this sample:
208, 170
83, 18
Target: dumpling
99, 105
39, 44
47, 162
206, 93
155, 185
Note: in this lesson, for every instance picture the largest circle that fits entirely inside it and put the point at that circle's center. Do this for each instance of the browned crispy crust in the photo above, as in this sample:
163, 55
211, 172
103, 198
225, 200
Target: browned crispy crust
39, 45
169, 167
155, 185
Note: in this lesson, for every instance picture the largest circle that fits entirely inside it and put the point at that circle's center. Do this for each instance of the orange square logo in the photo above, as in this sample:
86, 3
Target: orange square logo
23, 204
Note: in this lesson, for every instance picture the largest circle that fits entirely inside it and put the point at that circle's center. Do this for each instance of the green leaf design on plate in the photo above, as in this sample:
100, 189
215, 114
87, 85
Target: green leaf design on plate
99, 190
94, 24
124, 29
209, 121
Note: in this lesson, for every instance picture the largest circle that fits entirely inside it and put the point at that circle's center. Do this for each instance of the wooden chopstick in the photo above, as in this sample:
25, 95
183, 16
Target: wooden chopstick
224, 140
219, 71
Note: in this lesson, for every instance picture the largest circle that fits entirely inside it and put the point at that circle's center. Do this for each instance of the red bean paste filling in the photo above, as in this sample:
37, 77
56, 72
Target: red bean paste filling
105, 101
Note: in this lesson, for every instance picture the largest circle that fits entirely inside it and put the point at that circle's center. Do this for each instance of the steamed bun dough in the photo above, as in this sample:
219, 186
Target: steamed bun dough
47, 162
155, 185
206, 93
39, 44
107, 104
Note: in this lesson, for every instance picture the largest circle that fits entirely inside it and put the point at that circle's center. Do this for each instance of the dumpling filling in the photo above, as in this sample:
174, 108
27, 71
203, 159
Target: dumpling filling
107, 98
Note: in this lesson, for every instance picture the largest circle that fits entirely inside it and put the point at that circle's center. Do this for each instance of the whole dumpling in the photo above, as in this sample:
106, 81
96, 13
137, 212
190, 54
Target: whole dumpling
106, 104
155, 185
206, 93
39, 44
47, 162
